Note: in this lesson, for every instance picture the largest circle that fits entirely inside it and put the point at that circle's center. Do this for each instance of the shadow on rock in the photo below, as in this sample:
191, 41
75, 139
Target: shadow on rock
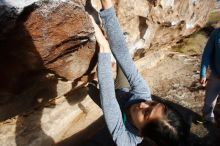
26, 83
87, 135
27, 86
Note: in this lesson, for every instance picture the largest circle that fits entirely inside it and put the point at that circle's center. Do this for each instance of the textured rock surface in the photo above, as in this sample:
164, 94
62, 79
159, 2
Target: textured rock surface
159, 23
61, 36
55, 36
46, 38
52, 124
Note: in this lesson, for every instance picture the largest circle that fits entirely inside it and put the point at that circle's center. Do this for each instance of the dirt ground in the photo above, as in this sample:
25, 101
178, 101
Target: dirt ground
175, 79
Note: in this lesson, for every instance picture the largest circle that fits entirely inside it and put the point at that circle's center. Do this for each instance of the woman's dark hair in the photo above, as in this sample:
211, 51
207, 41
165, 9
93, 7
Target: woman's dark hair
166, 132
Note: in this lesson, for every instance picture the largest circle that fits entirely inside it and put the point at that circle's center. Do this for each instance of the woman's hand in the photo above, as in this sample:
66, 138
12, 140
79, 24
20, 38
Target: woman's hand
203, 81
103, 43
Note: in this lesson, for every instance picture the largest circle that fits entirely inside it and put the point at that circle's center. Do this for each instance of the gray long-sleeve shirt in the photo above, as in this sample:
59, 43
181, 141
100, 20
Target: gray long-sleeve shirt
121, 134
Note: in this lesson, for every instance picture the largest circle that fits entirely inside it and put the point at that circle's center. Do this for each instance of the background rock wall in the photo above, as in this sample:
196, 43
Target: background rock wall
47, 48
159, 23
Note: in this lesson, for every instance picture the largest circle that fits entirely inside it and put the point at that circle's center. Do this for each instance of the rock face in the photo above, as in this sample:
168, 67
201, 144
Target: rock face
55, 35
43, 39
159, 23
46, 46
52, 124
61, 36
48, 35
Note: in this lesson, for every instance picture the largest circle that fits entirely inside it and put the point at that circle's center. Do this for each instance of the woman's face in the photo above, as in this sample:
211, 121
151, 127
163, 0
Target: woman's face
143, 112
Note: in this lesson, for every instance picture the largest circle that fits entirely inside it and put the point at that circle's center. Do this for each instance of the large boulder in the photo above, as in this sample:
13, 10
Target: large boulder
47, 46
50, 35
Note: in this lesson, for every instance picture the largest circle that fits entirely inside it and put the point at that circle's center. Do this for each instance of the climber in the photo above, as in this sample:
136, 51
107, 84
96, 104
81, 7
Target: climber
211, 57
133, 115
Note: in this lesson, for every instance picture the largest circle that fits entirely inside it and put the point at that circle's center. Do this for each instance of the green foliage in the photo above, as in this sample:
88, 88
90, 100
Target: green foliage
194, 44
214, 17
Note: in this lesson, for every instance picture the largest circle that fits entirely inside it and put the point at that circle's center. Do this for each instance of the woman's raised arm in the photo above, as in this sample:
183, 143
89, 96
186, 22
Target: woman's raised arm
120, 51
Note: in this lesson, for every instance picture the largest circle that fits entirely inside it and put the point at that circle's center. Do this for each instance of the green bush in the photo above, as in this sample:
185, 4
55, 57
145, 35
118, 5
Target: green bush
194, 44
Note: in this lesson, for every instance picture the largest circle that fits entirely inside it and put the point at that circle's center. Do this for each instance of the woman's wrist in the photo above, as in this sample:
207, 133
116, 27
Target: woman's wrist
106, 4
104, 48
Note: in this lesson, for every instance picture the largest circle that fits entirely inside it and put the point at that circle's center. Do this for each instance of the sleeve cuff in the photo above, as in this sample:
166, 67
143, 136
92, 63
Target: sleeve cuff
104, 57
202, 75
107, 12
203, 72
